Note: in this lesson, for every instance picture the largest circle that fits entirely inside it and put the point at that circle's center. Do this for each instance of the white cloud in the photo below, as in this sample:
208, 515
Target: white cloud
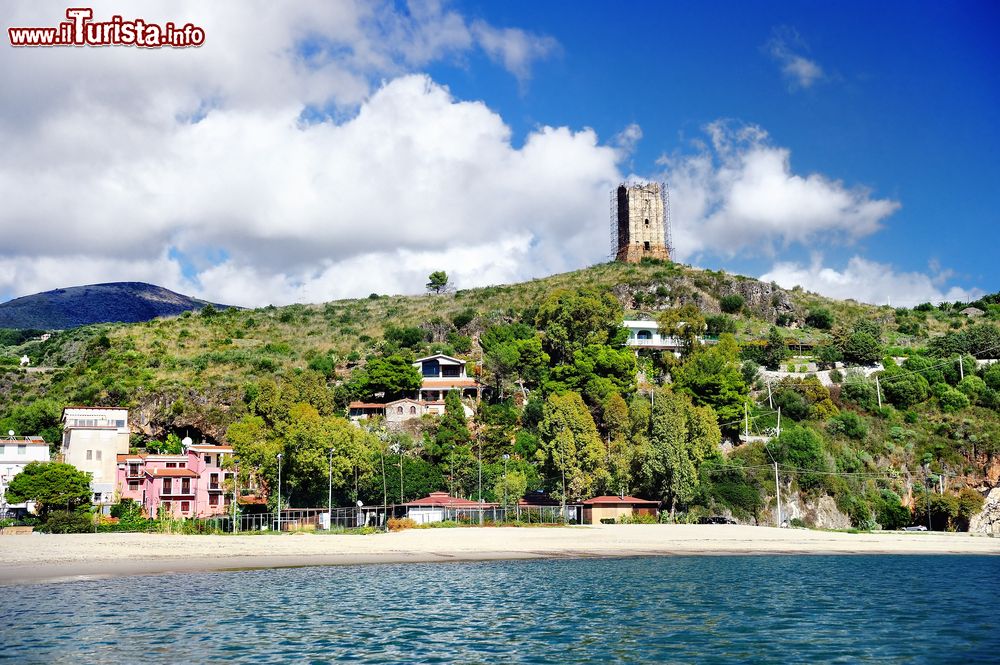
298, 209
739, 195
268, 161
783, 47
514, 48
868, 281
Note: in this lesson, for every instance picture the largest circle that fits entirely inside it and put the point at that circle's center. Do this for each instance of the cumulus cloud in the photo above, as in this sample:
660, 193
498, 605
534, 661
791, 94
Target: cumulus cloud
265, 167
785, 48
868, 281
737, 194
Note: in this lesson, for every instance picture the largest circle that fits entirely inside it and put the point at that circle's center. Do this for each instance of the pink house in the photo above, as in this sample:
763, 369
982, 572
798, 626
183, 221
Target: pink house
188, 485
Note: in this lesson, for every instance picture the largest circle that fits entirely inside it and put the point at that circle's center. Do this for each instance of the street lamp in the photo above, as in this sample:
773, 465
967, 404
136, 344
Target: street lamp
505, 458
329, 500
279, 491
480, 481
397, 449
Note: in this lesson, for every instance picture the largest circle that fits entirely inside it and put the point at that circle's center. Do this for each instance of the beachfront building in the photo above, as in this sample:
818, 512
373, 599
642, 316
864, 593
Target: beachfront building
613, 508
441, 374
192, 484
440, 506
15, 454
93, 437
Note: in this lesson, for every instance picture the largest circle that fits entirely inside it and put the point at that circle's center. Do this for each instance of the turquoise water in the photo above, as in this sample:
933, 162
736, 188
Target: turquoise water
652, 610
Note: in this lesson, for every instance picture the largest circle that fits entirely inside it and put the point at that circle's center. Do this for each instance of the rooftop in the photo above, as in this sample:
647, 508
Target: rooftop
618, 500
443, 499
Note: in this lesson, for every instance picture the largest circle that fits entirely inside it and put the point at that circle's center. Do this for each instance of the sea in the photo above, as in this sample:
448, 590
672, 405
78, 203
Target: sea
704, 609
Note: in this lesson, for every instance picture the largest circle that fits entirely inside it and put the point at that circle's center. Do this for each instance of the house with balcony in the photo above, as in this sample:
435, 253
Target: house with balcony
93, 437
441, 374
192, 484
645, 334
15, 453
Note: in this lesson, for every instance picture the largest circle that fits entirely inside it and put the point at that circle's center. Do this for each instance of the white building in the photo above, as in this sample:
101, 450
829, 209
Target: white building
93, 437
646, 335
441, 374
15, 454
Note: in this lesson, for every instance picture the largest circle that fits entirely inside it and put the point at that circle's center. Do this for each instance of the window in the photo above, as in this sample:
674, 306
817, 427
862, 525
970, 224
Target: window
167, 506
171, 465
98, 455
645, 245
413, 410
213, 499
399, 409
644, 334
133, 485
90, 454
22, 450
168, 486
185, 506
208, 459
97, 497
645, 222
186, 486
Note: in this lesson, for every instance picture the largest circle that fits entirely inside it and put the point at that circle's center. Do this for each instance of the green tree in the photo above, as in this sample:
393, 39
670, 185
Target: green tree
775, 350
393, 377
437, 281
819, 317
685, 323
513, 355
902, 389
452, 430
571, 320
801, 449
51, 485
861, 348
681, 437
38, 418
731, 304
510, 488
571, 447
712, 377
596, 371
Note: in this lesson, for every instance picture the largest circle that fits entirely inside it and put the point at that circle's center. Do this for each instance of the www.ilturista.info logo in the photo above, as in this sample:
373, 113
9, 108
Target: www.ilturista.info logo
80, 30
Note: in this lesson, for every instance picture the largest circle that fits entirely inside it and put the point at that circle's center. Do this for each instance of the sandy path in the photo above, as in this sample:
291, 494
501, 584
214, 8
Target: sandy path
38, 557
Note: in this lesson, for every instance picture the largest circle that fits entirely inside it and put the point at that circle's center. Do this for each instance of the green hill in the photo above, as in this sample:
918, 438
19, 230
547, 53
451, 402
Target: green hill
198, 373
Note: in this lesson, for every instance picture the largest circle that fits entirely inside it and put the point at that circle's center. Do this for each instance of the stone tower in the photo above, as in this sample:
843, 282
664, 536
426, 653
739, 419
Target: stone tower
640, 223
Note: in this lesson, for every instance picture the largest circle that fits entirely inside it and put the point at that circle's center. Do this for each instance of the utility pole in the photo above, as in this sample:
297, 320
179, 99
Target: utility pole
878, 391
961, 369
770, 403
779, 421
279, 491
777, 492
329, 499
746, 422
480, 481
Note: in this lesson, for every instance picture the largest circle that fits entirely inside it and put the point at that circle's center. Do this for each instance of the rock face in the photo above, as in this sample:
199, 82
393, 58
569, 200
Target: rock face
821, 513
988, 519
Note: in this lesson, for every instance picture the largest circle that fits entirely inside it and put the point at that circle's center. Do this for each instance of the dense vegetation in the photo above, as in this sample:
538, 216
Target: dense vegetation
574, 411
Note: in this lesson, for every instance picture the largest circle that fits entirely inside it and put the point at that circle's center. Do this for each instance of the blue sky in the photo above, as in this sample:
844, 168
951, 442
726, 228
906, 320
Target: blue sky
318, 150
907, 103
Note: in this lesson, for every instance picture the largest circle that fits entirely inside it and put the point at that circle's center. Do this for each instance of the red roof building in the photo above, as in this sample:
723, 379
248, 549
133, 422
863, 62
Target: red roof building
609, 509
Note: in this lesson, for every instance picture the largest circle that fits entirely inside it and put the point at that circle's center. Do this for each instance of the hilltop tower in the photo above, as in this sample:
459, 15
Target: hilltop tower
640, 223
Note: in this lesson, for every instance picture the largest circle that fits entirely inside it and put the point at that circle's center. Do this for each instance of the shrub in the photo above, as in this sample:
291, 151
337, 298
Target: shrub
637, 519
819, 317
949, 399
717, 324
463, 318
68, 521
973, 387
902, 389
731, 304
836, 376
849, 424
400, 523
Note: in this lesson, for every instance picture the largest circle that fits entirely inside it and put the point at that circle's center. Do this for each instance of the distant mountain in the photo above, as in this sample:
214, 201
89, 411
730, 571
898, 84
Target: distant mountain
124, 302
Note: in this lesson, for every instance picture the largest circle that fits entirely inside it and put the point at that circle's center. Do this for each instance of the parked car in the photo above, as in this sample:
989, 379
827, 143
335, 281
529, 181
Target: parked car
716, 519
919, 527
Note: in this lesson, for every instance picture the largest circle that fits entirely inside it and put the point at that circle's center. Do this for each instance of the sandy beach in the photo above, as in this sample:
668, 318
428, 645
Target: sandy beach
43, 558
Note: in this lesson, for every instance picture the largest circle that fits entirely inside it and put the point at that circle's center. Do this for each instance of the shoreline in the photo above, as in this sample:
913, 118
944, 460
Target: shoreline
33, 559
